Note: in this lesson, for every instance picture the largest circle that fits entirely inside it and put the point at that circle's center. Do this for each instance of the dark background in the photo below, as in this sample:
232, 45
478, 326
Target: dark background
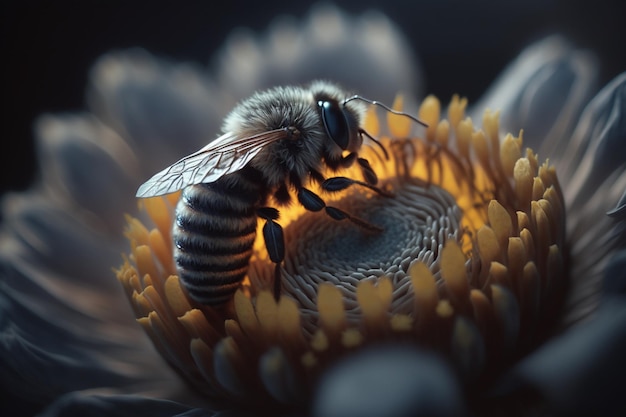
48, 47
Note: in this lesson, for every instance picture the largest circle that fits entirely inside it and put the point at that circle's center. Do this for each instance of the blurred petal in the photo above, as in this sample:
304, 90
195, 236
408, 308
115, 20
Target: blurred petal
619, 215
367, 54
64, 321
163, 110
89, 405
582, 371
89, 166
597, 149
615, 275
58, 240
619, 212
594, 168
44, 356
389, 381
543, 92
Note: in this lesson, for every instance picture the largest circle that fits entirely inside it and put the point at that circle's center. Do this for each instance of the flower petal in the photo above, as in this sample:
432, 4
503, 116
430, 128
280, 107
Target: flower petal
615, 275
598, 147
389, 381
582, 371
594, 164
41, 234
89, 165
63, 316
86, 404
42, 358
619, 212
543, 92
163, 110
329, 44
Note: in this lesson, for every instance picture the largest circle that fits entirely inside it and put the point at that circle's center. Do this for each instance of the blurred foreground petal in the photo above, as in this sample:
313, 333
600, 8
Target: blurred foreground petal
581, 372
389, 381
88, 405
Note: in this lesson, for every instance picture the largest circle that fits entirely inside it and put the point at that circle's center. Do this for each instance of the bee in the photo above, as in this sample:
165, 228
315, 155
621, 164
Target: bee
272, 144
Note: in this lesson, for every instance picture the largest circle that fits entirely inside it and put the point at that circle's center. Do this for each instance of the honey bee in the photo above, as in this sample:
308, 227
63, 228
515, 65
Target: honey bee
272, 144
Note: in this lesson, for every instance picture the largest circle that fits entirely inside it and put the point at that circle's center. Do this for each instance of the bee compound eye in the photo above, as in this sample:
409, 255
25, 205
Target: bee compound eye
335, 122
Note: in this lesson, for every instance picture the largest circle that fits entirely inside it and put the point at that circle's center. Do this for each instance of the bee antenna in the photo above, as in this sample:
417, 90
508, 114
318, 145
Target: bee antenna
384, 106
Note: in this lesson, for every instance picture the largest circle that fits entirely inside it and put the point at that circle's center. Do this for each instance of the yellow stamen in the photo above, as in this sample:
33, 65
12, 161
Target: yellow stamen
454, 271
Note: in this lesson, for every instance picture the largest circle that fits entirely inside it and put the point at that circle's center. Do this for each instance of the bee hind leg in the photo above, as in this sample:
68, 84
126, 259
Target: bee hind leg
274, 243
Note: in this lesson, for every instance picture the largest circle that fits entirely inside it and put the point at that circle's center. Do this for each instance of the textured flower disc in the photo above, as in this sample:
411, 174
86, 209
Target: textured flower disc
467, 261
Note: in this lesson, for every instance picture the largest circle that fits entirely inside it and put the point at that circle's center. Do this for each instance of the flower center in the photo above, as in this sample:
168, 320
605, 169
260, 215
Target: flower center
416, 222
412, 222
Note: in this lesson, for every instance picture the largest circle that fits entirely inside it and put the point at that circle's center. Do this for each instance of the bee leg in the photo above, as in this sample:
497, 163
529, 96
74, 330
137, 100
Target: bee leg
274, 242
314, 202
341, 183
348, 160
366, 169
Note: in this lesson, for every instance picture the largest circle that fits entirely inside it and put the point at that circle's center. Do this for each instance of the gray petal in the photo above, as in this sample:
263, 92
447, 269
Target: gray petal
43, 354
592, 171
366, 54
597, 149
619, 212
582, 371
615, 275
88, 165
93, 405
543, 92
164, 111
60, 240
389, 381
65, 323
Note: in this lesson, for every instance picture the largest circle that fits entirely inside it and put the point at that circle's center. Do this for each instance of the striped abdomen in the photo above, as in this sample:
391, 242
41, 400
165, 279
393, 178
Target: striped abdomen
213, 235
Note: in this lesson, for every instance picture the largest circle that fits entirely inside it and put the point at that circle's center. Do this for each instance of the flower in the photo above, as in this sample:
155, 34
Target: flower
470, 258
63, 312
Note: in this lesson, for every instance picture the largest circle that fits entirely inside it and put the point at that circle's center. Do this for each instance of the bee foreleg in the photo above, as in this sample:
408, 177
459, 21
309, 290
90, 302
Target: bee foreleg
313, 202
339, 214
341, 183
367, 171
274, 242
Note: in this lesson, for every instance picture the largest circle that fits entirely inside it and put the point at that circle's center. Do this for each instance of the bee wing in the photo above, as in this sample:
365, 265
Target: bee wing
226, 154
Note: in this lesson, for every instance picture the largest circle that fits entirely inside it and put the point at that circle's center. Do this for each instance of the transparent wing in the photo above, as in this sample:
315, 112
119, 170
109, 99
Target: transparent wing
226, 154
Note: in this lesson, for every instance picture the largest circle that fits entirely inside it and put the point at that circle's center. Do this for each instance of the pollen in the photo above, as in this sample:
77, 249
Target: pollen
469, 263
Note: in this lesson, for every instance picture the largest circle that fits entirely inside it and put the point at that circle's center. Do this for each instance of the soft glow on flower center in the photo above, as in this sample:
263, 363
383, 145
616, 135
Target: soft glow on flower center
469, 263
